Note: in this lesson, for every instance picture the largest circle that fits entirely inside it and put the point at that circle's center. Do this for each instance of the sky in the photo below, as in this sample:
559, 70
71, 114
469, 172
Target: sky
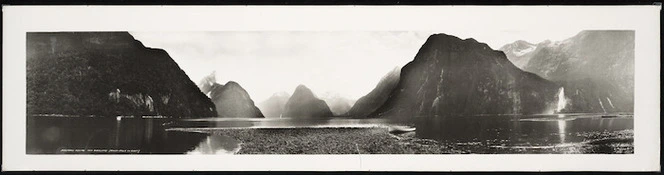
347, 63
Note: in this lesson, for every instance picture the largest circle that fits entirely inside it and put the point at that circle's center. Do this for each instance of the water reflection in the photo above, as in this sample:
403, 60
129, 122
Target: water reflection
219, 145
59, 135
562, 124
86, 135
217, 123
542, 131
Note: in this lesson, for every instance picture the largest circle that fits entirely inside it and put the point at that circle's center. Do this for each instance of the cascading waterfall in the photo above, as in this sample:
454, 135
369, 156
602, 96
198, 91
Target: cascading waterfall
562, 124
562, 101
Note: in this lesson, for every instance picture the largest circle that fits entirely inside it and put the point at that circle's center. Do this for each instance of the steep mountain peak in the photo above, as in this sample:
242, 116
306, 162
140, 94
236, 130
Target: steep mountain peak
113, 74
517, 45
301, 86
447, 43
303, 90
232, 100
304, 104
462, 77
523, 42
232, 84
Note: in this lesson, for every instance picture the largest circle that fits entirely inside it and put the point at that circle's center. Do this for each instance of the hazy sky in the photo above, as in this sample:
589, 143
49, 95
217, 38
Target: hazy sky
349, 63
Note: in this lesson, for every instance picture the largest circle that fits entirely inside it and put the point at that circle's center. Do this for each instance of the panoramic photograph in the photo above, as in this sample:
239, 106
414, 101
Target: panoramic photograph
330, 92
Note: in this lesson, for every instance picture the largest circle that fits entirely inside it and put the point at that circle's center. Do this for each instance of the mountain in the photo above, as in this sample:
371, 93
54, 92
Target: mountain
338, 104
274, 106
231, 100
107, 73
595, 67
450, 76
519, 52
304, 104
377, 97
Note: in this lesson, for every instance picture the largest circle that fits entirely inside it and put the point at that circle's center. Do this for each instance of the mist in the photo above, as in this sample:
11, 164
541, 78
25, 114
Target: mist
347, 63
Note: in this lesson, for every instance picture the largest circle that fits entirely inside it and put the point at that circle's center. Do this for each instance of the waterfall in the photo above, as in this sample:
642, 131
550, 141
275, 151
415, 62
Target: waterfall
602, 105
562, 102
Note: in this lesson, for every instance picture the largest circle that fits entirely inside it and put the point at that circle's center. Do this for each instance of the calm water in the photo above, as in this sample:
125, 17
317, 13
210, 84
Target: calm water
482, 134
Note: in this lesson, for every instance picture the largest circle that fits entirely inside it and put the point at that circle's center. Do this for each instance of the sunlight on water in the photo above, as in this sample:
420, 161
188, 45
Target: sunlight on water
217, 145
562, 102
562, 125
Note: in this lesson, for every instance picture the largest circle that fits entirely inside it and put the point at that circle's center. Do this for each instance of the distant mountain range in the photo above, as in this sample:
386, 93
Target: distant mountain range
107, 73
231, 100
519, 52
304, 104
274, 106
338, 104
595, 67
451, 76
110, 73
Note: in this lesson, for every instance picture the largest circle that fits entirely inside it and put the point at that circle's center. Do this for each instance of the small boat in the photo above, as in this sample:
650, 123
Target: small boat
609, 116
400, 129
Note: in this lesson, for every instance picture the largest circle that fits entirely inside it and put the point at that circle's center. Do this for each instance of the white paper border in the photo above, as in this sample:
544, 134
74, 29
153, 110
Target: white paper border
643, 19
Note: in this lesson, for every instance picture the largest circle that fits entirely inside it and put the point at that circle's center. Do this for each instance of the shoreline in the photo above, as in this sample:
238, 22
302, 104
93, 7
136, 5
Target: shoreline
347, 140
378, 140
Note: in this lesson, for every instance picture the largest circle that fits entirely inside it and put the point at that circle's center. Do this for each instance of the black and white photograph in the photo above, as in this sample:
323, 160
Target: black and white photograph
300, 91
327, 93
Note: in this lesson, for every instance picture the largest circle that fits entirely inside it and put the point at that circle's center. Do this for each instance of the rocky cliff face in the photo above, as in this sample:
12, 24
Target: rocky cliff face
231, 100
304, 104
377, 97
595, 67
274, 106
107, 73
450, 76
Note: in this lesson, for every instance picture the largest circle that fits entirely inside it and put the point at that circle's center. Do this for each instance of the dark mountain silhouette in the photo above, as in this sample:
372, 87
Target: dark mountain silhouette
595, 67
450, 76
274, 106
304, 104
107, 73
231, 100
377, 97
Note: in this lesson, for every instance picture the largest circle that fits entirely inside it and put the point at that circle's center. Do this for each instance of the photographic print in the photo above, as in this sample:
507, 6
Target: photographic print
295, 92
331, 88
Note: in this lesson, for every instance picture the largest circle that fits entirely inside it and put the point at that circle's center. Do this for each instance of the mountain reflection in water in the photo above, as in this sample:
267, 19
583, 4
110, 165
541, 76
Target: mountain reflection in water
481, 134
